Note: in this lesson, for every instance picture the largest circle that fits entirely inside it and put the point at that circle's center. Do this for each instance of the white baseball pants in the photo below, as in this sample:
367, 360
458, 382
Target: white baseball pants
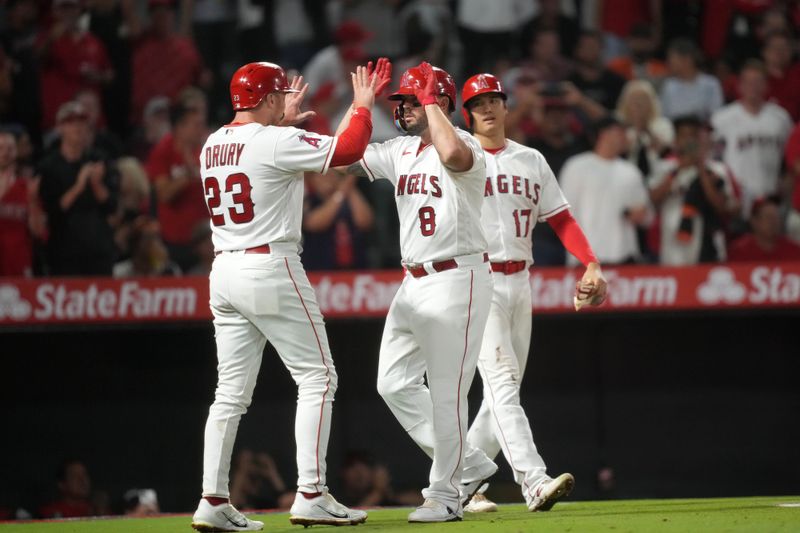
257, 298
434, 328
501, 422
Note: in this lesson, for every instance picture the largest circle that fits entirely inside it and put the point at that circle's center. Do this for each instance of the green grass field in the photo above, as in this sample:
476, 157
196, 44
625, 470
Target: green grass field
761, 515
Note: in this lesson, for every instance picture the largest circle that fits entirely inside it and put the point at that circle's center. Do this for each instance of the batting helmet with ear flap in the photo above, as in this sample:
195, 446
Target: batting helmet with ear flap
477, 85
253, 81
414, 79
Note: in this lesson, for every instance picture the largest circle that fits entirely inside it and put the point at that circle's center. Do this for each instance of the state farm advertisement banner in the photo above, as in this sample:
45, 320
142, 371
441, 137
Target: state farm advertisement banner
368, 294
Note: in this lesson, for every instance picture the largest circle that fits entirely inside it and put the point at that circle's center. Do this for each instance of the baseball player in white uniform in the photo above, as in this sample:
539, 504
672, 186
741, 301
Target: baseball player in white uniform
252, 171
436, 320
520, 190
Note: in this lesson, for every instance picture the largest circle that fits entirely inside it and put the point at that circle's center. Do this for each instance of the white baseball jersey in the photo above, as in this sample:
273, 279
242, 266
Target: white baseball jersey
439, 209
520, 190
253, 181
753, 145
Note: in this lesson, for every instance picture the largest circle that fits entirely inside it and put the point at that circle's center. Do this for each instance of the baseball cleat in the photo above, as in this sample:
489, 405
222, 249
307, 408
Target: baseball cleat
223, 517
479, 503
323, 510
549, 491
468, 489
434, 511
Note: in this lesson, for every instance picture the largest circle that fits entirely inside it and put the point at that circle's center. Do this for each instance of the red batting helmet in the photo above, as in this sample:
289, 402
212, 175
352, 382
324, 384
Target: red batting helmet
413, 78
253, 81
477, 85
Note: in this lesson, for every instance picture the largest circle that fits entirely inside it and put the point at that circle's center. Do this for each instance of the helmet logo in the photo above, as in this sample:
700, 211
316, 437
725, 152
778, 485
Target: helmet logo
482, 83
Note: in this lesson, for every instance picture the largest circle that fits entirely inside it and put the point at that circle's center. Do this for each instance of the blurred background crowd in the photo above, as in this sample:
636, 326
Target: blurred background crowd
671, 124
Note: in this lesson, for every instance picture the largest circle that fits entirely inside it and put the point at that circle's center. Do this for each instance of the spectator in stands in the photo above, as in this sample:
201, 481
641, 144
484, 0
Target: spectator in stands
72, 59
203, 249
365, 483
335, 218
174, 171
16, 246
618, 18
792, 155
695, 198
155, 124
687, 91
557, 142
766, 242
545, 57
75, 490
134, 201
783, 72
78, 191
215, 35
100, 138
21, 64
551, 18
140, 503
149, 256
329, 69
256, 482
591, 76
641, 63
649, 134
752, 134
489, 34
607, 195
164, 62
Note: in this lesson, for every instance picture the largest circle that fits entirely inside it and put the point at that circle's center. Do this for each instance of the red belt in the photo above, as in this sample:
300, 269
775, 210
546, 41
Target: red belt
419, 271
263, 249
509, 267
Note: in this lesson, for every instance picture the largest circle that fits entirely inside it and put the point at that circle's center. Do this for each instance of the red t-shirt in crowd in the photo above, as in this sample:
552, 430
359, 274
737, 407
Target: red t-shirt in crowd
62, 509
15, 239
63, 68
792, 157
179, 216
785, 91
162, 66
747, 249
620, 16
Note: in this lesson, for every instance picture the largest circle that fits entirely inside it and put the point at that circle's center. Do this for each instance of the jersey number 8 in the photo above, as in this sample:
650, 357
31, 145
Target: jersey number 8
242, 210
427, 221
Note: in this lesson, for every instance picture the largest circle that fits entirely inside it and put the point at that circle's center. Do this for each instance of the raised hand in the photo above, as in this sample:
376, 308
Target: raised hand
426, 93
364, 87
291, 107
383, 73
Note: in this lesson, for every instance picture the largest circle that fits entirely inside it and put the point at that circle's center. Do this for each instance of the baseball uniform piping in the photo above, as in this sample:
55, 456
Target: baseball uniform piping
322, 353
460, 378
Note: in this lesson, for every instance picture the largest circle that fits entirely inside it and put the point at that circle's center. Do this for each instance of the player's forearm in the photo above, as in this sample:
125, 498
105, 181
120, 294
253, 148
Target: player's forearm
453, 152
573, 238
350, 145
345, 122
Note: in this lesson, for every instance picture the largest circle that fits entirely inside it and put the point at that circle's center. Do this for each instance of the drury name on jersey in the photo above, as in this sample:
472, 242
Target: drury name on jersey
512, 185
220, 155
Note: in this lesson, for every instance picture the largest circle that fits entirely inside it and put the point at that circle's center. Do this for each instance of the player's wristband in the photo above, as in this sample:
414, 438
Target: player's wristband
428, 100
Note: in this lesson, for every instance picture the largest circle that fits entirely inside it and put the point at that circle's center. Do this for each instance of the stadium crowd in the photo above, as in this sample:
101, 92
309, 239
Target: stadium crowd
672, 126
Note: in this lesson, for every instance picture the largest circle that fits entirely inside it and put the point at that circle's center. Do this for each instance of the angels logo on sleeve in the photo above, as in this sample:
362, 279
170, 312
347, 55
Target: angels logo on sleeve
313, 141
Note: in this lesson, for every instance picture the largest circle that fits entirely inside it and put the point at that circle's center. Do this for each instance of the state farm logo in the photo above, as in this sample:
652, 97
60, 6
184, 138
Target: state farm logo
721, 286
12, 305
623, 290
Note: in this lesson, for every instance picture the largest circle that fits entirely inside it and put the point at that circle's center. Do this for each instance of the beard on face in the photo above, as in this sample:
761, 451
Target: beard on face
420, 125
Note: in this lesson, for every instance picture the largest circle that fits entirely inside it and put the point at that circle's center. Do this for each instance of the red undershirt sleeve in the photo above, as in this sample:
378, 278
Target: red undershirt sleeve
353, 141
571, 234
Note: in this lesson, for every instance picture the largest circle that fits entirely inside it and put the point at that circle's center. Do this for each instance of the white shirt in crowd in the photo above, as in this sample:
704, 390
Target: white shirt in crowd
753, 145
521, 190
699, 97
600, 192
673, 251
439, 209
